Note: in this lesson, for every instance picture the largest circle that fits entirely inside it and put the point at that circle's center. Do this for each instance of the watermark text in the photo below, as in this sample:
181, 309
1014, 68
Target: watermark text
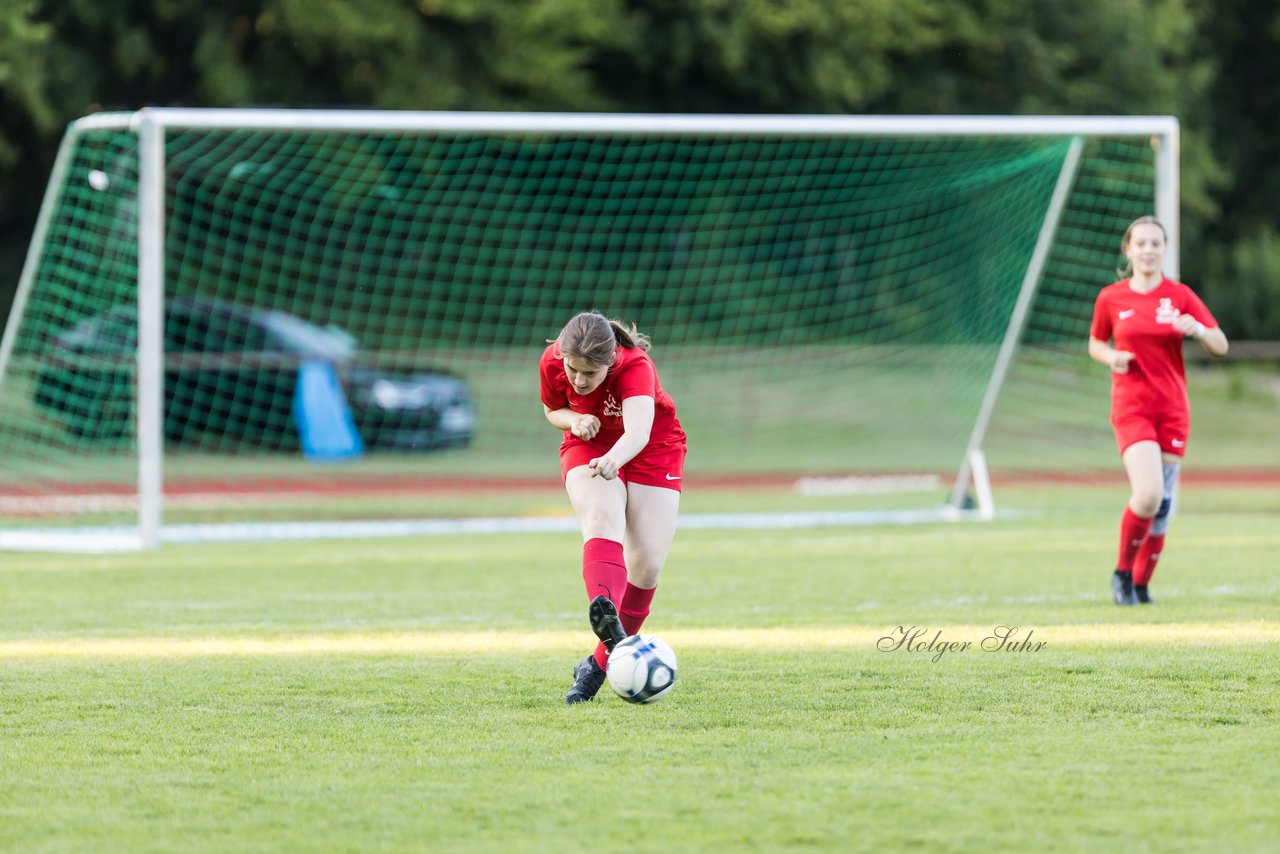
931, 642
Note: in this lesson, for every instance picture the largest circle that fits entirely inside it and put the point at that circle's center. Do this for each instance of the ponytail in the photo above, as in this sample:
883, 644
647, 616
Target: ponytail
629, 336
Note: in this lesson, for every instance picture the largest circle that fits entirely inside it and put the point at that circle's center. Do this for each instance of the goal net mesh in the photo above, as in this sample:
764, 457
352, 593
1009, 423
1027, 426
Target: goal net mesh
819, 306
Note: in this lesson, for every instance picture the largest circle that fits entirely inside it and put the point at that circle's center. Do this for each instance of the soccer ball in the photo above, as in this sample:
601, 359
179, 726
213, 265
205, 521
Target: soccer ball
642, 668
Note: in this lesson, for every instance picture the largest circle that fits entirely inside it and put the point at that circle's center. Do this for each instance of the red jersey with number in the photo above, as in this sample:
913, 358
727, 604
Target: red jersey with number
631, 375
1143, 324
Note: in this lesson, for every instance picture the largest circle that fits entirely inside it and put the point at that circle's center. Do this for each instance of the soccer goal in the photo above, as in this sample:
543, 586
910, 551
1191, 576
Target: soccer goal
256, 323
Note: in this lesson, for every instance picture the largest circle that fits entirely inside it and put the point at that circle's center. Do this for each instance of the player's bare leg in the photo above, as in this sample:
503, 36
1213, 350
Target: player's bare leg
601, 505
651, 528
1142, 463
1144, 565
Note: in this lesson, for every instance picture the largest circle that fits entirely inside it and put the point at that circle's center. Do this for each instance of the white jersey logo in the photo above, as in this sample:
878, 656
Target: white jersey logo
1166, 313
611, 407
1126, 314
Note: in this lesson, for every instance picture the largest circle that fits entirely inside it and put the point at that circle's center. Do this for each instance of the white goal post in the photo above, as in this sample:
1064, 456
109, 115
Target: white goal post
156, 128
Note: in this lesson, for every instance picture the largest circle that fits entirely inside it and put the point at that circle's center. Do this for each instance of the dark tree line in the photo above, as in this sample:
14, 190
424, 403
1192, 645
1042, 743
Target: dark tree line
1207, 63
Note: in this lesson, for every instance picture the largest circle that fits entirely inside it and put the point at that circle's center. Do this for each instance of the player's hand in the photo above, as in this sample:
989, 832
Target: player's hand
586, 427
1120, 360
1189, 326
603, 467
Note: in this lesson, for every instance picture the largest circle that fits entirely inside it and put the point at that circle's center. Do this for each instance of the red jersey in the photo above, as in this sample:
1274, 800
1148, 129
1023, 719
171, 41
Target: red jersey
1143, 324
631, 375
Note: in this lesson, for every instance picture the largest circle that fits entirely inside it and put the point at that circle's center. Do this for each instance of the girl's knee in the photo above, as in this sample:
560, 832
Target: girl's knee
643, 570
1145, 503
599, 520
645, 577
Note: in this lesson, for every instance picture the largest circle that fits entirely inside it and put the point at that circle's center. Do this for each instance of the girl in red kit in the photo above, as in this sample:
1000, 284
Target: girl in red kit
622, 460
1147, 316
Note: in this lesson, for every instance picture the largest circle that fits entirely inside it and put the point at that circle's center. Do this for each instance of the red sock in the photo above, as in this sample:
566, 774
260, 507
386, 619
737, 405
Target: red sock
1144, 566
635, 607
604, 570
1133, 530
602, 656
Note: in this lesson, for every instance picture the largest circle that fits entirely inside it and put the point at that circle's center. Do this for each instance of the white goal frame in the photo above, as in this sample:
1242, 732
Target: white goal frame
152, 125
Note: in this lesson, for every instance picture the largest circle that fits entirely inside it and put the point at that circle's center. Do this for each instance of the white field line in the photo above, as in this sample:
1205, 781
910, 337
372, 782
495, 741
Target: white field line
111, 539
25, 505
29, 505
765, 640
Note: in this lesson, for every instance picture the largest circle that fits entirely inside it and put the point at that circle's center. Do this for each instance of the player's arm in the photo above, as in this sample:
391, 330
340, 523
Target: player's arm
637, 424
1214, 340
1100, 333
580, 425
1116, 360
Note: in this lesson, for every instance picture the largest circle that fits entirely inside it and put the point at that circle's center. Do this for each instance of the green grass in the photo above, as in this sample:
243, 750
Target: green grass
405, 694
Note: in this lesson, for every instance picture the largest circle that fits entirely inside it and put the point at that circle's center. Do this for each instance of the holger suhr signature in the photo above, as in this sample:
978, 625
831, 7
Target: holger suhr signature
918, 639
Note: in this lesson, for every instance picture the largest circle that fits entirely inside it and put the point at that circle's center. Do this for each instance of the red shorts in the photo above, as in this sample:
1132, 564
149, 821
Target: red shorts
1168, 429
661, 466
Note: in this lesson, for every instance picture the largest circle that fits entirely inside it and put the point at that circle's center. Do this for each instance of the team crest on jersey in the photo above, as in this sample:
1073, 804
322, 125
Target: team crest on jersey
1166, 313
611, 407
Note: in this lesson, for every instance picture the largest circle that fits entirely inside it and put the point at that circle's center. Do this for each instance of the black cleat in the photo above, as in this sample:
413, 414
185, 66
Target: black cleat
605, 622
1141, 595
587, 679
1122, 588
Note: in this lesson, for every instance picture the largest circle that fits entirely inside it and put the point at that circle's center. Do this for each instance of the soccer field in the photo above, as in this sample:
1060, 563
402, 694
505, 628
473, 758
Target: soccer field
406, 694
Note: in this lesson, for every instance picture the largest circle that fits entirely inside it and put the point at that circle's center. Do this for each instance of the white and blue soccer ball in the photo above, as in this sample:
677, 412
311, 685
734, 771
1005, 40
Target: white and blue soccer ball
642, 669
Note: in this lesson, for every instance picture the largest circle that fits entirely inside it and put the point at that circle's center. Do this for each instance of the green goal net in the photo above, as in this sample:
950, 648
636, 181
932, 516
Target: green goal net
353, 305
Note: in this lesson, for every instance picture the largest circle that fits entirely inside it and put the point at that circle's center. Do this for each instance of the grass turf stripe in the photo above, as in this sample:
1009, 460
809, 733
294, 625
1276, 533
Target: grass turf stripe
760, 639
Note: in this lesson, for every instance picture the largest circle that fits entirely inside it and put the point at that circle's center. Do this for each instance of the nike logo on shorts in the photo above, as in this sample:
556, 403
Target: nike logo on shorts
1127, 313
672, 477
1177, 443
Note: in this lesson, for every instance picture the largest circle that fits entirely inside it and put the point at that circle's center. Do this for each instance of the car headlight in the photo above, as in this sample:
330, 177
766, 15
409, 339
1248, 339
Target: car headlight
390, 394
458, 418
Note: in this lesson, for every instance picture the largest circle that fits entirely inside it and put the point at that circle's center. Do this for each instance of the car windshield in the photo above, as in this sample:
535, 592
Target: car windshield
307, 339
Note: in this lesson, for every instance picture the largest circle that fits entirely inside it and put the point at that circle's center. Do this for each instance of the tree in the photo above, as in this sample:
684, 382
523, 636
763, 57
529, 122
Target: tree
1199, 61
26, 119
22, 73
1241, 277
86, 55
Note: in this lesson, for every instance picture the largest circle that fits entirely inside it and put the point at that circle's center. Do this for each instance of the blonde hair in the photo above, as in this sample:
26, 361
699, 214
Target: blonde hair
594, 337
1127, 269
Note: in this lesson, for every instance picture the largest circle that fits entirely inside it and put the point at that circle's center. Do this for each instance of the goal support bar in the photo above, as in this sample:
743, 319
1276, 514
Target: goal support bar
973, 461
